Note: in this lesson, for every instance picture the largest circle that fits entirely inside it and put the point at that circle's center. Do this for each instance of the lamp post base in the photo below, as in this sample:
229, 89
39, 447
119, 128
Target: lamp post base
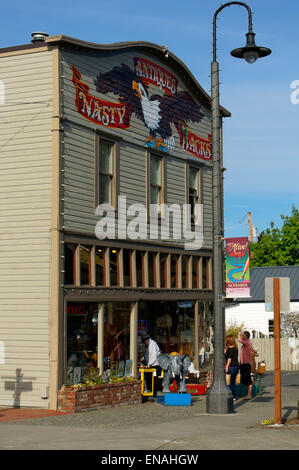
219, 399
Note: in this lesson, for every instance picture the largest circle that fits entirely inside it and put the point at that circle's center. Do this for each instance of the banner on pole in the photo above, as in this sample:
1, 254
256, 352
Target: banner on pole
237, 267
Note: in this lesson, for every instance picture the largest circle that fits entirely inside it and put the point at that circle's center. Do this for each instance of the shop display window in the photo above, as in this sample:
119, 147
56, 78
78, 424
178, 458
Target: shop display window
171, 324
117, 335
82, 338
81, 341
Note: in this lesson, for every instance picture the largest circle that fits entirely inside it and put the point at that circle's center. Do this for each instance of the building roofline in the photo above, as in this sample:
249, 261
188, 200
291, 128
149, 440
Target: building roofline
67, 41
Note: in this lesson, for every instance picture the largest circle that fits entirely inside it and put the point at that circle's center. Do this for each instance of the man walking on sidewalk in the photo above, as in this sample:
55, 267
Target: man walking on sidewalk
245, 362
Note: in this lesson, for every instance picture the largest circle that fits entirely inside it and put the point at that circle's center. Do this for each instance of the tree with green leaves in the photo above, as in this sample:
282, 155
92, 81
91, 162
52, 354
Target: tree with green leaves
278, 247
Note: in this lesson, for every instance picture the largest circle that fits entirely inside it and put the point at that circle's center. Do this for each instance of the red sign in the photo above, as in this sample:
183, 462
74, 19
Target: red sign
156, 75
192, 143
76, 310
101, 112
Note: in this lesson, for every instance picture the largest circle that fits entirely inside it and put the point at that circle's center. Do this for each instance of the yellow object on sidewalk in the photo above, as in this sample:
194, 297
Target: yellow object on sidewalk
146, 370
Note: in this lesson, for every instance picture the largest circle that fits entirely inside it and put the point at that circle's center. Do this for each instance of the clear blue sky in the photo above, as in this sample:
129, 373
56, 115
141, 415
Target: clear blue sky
261, 145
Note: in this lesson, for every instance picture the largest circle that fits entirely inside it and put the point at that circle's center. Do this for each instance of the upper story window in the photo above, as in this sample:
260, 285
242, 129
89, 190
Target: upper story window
193, 192
106, 185
156, 184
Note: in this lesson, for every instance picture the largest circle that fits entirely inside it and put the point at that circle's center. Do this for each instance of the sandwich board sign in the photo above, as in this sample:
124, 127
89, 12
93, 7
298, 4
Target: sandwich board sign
284, 294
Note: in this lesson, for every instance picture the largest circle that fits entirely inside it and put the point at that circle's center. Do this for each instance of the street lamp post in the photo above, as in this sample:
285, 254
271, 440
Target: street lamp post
219, 398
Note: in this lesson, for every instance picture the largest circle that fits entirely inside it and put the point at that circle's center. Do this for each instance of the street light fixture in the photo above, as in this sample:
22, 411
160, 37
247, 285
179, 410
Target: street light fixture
219, 398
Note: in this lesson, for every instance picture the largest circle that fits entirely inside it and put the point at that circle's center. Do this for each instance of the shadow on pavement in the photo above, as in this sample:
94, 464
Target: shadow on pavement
288, 412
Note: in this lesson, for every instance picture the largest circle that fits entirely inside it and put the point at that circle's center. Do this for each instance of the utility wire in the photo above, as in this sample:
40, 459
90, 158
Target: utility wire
25, 125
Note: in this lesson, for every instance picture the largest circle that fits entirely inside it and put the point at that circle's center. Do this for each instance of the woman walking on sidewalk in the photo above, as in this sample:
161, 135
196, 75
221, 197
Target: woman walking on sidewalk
232, 364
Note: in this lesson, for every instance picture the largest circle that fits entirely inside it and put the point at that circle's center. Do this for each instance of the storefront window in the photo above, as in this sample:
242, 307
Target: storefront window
85, 265
171, 324
69, 256
99, 255
81, 341
117, 335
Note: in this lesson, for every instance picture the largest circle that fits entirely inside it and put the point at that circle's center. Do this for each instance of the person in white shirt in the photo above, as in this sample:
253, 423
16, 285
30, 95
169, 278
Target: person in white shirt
151, 354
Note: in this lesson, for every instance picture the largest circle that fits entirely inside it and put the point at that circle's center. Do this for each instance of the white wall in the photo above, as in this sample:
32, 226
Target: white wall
253, 315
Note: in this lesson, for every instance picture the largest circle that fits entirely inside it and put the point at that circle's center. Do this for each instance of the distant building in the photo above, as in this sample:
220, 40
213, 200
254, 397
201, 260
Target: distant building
251, 311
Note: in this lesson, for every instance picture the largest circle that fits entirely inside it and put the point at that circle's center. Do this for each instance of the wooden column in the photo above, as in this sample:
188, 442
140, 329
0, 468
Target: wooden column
277, 374
196, 325
101, 338
133, 337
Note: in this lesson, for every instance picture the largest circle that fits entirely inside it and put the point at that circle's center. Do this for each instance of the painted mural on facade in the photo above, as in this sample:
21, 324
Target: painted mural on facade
160, 114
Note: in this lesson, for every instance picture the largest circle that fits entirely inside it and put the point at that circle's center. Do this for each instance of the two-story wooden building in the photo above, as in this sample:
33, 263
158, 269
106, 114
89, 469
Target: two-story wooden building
85, 127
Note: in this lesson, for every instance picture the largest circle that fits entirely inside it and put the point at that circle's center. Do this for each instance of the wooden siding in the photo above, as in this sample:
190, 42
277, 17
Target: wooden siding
25, 220
79, 147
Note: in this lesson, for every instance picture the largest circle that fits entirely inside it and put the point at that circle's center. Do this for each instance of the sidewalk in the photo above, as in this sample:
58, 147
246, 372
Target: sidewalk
153, 426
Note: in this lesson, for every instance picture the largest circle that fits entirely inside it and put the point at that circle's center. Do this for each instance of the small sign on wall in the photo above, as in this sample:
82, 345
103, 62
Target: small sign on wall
284, 293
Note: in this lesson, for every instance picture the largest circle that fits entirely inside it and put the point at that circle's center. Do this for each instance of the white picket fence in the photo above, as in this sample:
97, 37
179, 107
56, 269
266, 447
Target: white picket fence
289, 357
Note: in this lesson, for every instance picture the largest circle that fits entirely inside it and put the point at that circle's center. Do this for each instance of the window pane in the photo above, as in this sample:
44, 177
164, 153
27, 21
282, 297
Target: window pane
151, 273
114, 254
195, 261
204, 273
69, 264
81, 341
193, 179
155, 195
174, 260
163, 270
116, 333
139, 268
184, 271
127, 267
106, 160
105, 189
193, 191
155, 171
84, 265
99, 267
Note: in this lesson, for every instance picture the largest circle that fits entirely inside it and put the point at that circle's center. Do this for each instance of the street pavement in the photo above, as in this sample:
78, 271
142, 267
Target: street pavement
155, 427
